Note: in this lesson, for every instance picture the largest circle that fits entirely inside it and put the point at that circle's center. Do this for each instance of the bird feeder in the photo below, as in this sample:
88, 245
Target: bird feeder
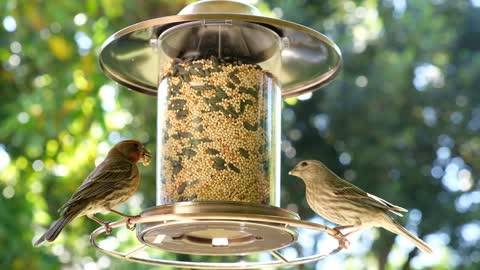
218, 70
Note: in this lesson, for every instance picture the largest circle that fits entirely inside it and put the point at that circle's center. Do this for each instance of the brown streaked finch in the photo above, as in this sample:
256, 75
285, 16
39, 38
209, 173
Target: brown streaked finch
111, 183
349, 206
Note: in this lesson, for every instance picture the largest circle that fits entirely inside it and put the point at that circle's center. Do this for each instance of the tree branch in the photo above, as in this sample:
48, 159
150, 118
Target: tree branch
411, 255
382, 253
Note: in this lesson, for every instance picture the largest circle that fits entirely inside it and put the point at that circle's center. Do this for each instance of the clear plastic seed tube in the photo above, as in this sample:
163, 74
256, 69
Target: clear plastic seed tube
218, 129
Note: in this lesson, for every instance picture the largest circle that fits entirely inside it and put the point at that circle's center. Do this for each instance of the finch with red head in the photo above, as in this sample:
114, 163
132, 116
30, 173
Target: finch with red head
111, 183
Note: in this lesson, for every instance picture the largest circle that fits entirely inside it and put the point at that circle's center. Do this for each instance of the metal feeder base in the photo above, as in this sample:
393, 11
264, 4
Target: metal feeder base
236, 227
216, 237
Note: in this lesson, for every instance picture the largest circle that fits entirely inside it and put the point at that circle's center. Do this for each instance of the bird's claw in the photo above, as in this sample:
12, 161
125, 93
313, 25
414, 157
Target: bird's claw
108, 229
343, 242
130, 226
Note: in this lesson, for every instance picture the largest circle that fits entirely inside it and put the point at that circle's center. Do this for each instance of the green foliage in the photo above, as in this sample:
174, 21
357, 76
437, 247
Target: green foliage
404, 111
406, 97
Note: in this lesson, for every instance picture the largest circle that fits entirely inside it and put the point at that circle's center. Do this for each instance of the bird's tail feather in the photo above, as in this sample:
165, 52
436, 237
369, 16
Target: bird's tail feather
395, 227
52, 233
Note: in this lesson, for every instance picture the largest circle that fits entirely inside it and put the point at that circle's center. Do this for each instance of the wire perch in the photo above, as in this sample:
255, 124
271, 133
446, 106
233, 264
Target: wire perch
135, 254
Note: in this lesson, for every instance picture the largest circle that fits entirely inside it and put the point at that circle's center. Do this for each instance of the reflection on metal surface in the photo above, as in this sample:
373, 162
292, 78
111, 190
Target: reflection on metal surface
135, 251
186, 213
223, 6
309, 60
235, 39
216, 237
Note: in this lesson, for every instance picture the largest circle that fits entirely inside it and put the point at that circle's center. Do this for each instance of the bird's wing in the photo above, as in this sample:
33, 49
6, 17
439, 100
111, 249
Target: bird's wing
391, 207
355, 193
102, 180
107, 177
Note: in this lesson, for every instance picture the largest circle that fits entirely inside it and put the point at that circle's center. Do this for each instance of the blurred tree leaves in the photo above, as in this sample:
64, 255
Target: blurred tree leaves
405, 97
401, 121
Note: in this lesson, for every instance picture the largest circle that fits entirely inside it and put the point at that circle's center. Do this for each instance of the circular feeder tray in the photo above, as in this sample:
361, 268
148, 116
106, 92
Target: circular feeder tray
215, 229
216, 237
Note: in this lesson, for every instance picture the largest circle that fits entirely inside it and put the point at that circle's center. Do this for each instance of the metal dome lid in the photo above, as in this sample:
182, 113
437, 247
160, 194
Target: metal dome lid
308, 59
220, 6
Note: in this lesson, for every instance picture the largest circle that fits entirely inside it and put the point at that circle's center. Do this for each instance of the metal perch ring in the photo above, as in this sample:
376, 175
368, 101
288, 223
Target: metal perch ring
204, 217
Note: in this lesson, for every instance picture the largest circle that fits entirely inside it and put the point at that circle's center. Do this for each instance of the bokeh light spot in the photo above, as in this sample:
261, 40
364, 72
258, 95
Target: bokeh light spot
9, 24
361, 81
8, 192
4, 157
80, 19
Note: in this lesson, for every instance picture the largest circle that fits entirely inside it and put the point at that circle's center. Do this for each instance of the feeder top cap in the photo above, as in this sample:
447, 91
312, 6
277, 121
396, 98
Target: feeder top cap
220, 6
306, 60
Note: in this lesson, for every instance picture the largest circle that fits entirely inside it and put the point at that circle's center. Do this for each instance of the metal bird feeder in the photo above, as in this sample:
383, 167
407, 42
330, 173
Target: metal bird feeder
219, 70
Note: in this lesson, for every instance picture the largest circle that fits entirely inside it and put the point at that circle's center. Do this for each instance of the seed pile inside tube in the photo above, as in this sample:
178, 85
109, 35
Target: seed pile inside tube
214, 144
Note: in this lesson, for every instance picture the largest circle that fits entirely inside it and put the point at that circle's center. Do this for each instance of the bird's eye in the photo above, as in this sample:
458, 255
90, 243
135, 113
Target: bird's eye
303, 164
136, 145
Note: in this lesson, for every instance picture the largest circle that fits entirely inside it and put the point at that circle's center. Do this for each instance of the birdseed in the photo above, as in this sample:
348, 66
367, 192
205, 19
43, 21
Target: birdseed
214, 132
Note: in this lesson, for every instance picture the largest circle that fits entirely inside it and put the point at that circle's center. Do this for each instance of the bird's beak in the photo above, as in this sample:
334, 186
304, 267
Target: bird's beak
146, 157
292, 172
